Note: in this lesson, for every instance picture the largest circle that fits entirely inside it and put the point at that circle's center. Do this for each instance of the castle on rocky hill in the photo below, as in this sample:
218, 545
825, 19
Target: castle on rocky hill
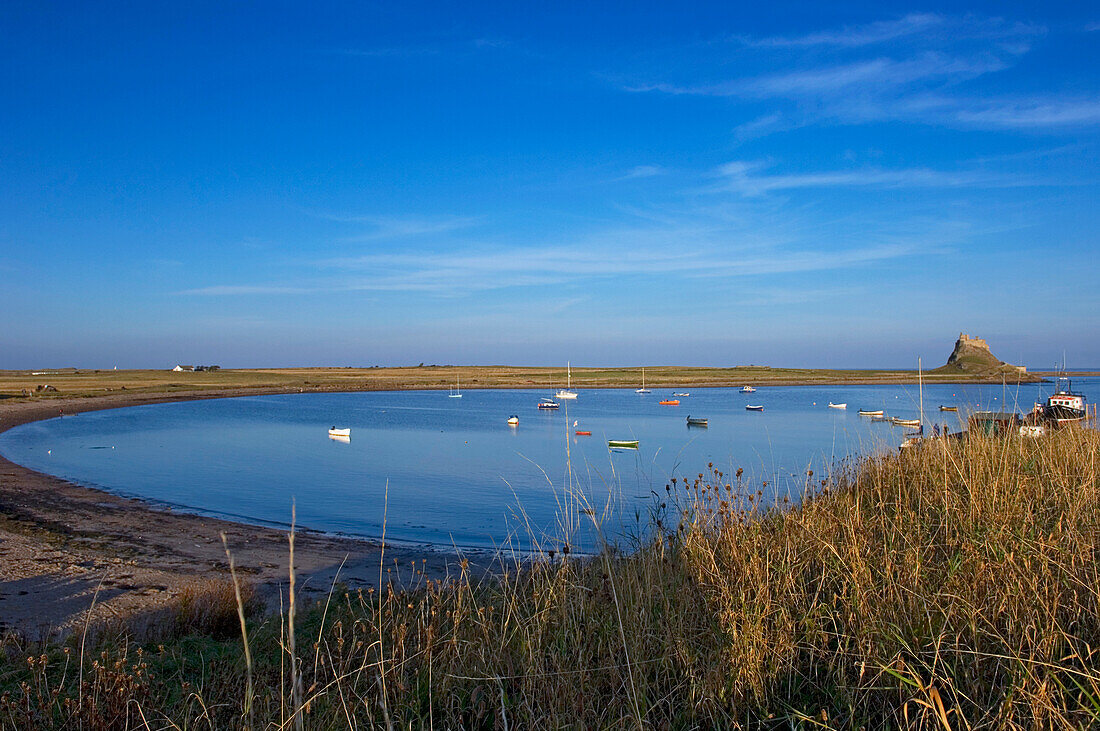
973, 355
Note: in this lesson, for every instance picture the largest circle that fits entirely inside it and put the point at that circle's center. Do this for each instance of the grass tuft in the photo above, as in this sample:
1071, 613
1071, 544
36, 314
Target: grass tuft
952, 586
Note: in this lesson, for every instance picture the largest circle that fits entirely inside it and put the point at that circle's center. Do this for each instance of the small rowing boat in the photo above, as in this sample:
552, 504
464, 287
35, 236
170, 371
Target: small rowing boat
911, 423
681, 394
669, 402
870, 412
547, 403
334, 432
837, 406
513, 420
696, 421
750, 407
949, 408
748, 389
583, 433
622, 443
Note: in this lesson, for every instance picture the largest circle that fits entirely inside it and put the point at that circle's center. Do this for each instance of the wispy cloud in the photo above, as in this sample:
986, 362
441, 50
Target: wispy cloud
244, 289
1032, 113
860, 74
919, 27
456, 273
751, 179
641, 171
381, 227
875, 76
852, 36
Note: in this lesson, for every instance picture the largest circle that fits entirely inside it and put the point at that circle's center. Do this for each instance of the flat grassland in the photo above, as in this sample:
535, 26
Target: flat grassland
71, 382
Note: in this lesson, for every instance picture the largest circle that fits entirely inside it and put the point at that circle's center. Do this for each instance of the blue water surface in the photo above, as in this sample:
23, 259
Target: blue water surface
451, 472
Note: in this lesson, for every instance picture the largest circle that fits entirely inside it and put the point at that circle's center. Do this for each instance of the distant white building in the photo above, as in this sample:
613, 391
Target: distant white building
183, 368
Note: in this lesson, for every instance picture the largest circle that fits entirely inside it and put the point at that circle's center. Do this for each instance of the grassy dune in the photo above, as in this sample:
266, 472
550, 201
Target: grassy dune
78, 382
955, 585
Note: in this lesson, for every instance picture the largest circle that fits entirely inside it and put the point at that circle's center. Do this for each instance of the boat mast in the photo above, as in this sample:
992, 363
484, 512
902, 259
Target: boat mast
920, 386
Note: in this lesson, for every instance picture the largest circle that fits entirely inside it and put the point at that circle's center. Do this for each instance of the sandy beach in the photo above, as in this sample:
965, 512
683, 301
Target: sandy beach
62, 544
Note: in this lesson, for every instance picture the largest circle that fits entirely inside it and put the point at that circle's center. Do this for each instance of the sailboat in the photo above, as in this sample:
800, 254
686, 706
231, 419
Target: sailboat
567, 393
643, 389
455, 392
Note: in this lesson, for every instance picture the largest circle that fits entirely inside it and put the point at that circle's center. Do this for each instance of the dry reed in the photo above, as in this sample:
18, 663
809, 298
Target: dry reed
953, 586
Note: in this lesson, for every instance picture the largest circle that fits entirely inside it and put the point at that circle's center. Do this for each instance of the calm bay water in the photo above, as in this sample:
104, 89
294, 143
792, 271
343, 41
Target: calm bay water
447, 471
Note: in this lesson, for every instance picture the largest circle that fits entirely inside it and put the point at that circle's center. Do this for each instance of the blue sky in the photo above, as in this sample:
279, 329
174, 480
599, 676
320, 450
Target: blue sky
257, 184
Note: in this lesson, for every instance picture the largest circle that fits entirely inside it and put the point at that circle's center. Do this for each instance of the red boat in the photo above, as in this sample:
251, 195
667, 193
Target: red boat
583, 433
670, 402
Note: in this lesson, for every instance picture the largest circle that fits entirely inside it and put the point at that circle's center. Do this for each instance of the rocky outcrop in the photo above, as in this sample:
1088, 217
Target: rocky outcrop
972, 355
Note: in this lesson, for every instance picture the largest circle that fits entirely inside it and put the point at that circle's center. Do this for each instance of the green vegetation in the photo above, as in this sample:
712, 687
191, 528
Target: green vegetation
22, 385
955, 585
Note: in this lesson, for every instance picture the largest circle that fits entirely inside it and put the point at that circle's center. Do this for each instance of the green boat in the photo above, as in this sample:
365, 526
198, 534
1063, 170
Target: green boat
622, 443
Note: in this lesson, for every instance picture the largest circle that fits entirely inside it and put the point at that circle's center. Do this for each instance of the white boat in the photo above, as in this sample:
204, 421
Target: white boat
455, 392
837, 406
334, 432
685, 393
748, 389
548, 403
910, 423
566, 393
643, 389
513, 420
870, 412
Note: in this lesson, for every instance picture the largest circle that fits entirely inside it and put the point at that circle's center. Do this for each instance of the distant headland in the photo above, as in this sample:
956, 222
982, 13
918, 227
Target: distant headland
971, 361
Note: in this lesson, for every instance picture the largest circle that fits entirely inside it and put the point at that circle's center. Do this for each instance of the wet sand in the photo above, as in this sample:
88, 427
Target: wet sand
62, 544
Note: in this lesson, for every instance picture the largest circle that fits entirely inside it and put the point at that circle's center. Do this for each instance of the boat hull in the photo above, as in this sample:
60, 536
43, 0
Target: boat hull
622, 443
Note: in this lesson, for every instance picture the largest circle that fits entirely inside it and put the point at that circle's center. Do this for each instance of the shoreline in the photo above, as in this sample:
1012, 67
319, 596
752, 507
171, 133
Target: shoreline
63, 544
60, 542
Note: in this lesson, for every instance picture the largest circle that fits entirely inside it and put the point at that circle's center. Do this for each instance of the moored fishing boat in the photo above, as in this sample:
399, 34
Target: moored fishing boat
696, 421
948, 408
748, 389
669, 402
837, 406
912, 423
643, 389
685, 393
870, 412
583, 433
513, 420
342, 432
1065, 405
548, 403
750, 407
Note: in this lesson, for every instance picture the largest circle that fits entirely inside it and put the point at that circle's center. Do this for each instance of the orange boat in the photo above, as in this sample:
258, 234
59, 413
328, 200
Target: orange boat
583, 433
671, 402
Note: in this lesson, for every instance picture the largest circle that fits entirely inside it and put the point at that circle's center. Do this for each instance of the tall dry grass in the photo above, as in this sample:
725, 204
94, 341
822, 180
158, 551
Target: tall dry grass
952, 586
